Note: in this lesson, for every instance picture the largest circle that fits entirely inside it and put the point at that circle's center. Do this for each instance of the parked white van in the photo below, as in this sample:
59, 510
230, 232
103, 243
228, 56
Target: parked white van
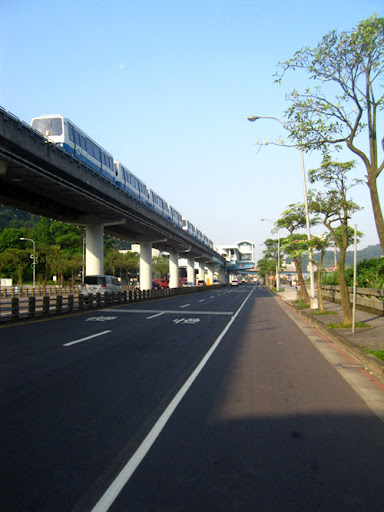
100, 284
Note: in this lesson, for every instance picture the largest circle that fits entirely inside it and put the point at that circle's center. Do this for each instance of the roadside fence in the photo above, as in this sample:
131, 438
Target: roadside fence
367, 299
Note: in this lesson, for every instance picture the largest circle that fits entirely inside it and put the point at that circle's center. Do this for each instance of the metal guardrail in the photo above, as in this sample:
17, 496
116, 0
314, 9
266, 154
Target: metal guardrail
26, 305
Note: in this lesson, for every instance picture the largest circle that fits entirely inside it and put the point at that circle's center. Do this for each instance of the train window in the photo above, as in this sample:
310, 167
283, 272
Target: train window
95, 151
83, 143
71, 133
77, 138
89, 146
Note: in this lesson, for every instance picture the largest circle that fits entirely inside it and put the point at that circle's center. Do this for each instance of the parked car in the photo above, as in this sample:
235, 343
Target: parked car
216, 281
155, 284
201, 282
187, 284
100, 284
235, 282
163, 283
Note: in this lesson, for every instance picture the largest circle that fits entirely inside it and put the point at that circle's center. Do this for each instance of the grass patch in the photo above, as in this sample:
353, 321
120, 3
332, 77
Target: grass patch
347, 326
300, 304
325, 313
377, 353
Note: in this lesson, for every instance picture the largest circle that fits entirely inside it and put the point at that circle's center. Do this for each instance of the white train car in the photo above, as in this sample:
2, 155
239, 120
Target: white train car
131, 184
177, 218
159, 205
189, 227
199, 235
61, 131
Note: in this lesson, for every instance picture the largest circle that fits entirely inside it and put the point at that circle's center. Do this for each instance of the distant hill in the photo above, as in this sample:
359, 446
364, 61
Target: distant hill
11, 218
372, 251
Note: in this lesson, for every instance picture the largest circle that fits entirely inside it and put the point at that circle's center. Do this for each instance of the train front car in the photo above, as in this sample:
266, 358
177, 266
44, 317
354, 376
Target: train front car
66, 135
52, 128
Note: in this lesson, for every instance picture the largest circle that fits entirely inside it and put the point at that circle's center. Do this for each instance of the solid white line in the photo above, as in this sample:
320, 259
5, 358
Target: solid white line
125, 474
154, 316
85, 339
185, 306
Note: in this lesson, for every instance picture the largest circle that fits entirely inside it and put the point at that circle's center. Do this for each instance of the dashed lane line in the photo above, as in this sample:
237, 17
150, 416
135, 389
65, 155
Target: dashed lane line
85, 339
171, 312
154, 316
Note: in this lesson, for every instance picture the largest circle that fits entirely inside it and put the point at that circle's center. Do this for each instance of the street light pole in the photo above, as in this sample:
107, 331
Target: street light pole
33, 260
311, 272
278, 256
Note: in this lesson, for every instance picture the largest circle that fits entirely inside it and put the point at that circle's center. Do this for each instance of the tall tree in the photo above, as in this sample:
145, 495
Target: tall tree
293, 220
336, 209
344, 107
320, 244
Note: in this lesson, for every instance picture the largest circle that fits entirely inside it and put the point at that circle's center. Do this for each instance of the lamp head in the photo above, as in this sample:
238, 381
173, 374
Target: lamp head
253, 118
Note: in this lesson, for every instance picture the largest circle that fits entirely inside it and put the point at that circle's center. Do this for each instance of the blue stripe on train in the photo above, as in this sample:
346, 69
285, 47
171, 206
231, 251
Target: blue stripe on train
83, 158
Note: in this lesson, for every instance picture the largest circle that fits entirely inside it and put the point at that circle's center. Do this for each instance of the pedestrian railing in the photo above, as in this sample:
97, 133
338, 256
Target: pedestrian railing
367, 299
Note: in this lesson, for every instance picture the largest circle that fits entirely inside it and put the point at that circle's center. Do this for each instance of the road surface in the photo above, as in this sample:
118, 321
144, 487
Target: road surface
214, 401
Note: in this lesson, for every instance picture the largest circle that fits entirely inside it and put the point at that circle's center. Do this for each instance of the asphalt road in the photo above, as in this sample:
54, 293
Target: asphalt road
213, 401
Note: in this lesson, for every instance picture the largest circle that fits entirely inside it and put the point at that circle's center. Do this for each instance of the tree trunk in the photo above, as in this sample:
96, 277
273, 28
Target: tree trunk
318, 284
377, 212
344, 294
303, 289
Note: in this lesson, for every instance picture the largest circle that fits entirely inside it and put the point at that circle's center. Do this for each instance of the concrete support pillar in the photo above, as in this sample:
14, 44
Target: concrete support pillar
210, 275
191, 270
94, 253
201, 272
173, 269
145, 265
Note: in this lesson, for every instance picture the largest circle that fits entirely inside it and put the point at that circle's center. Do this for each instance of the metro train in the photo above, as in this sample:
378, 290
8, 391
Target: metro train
66, 135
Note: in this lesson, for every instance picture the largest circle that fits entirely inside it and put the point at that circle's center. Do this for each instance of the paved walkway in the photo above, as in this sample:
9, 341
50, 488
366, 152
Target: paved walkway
370, 337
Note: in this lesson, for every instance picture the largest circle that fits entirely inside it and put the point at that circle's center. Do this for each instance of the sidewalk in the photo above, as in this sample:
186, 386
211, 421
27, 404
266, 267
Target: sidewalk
371, 338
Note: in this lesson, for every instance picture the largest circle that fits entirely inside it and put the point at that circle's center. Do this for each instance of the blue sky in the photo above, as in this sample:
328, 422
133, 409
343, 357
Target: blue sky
167, 86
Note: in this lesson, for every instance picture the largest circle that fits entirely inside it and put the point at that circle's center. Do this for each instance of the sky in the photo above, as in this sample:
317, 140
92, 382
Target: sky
166, 86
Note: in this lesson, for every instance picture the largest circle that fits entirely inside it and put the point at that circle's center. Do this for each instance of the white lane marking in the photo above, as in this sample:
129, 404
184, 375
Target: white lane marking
202, 300
190, 321
85, 339
154, 316
212, 297
171, 312
125, 474
185, 306
100, 318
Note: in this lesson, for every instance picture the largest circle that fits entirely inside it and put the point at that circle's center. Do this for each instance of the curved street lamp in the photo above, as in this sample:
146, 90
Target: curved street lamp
33, 259
311, 273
